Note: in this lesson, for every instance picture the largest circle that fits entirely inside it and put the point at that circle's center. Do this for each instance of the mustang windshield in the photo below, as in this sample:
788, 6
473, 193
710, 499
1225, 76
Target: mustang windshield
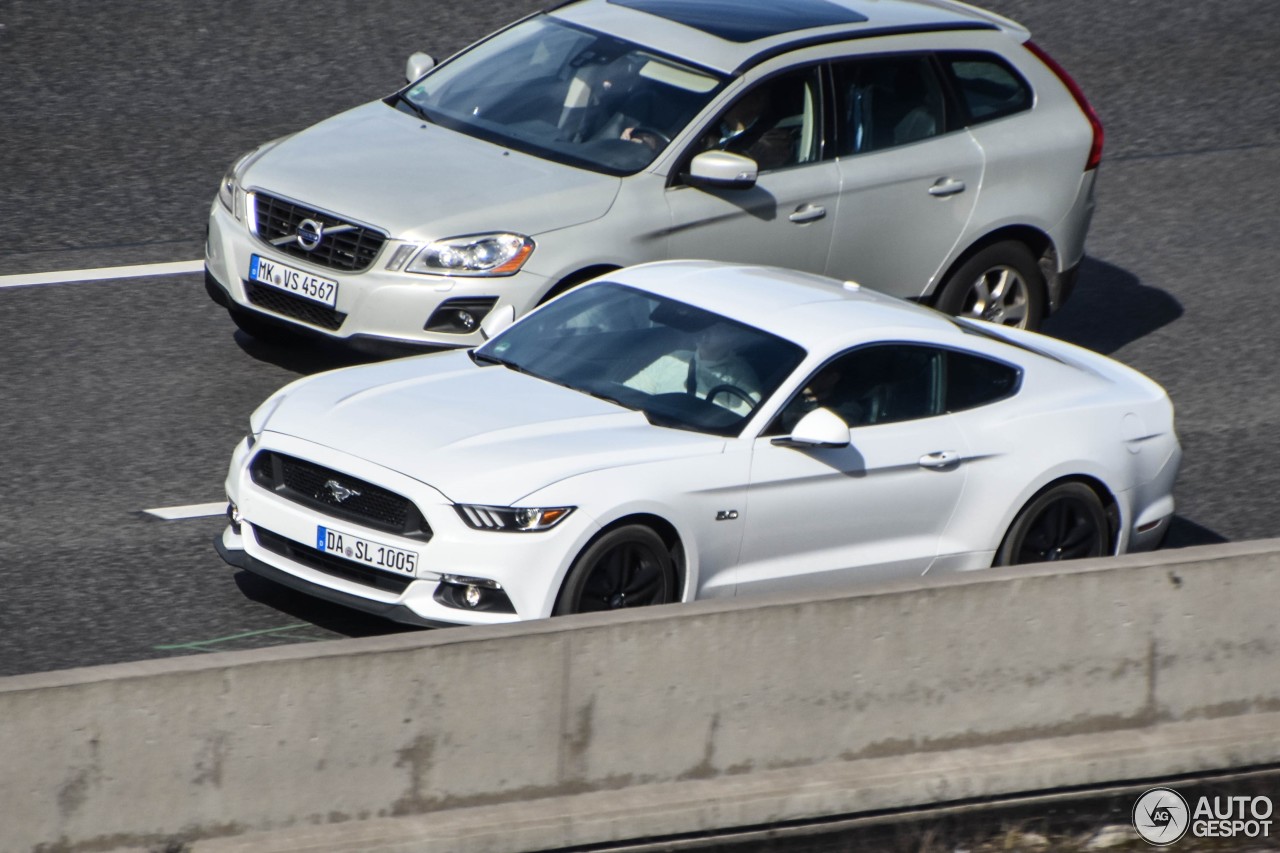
684, 367
564, 93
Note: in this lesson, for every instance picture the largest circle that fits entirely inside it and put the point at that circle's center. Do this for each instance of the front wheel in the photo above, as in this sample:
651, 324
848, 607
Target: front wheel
1066, 522
1000, 284
627, 567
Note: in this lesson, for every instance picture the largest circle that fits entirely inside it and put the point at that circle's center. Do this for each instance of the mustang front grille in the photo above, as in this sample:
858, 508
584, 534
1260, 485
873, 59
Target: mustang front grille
338, 495
352, 249
338, 567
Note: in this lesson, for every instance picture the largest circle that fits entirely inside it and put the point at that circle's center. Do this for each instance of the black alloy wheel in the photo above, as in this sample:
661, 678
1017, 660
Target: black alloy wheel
1066, 522
626, 567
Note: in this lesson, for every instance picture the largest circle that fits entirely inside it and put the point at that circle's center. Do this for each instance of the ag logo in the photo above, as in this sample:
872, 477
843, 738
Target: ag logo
1161, 816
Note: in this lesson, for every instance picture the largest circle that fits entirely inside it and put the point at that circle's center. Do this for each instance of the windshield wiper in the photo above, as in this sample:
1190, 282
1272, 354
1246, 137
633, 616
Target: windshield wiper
484, 358
401, 98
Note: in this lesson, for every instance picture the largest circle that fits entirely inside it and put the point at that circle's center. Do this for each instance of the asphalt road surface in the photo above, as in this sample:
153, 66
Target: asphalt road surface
123, 395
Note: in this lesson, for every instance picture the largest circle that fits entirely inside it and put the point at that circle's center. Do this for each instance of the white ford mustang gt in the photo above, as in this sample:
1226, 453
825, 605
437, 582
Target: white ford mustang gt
688, 429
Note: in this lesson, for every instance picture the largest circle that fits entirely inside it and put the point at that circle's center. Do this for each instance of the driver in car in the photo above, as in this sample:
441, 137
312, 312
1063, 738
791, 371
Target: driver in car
712, 370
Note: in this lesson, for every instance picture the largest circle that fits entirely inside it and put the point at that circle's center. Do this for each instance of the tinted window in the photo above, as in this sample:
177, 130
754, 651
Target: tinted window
988, 86
747, 20
974, 381
680, 365
872, 385
776, 123
887, 101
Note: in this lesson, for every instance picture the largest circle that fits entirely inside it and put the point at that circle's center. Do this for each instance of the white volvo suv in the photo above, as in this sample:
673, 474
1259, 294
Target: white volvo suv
924, 148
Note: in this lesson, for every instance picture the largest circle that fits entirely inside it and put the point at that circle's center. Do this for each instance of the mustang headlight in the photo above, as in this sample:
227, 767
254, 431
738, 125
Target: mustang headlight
477, 254
512, 519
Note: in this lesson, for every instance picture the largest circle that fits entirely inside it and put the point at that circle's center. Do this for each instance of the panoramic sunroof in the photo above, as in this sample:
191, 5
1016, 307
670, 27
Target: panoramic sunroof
747, 20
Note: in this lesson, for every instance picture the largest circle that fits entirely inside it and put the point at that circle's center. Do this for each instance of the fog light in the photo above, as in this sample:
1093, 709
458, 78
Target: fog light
460, 315
471, 593
233, 516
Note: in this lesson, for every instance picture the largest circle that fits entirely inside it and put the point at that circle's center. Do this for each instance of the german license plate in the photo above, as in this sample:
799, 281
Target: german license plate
372, 554
295, 281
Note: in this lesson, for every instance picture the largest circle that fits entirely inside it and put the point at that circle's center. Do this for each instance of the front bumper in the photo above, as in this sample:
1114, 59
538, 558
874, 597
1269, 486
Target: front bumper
374, 306
519, 574
395, 612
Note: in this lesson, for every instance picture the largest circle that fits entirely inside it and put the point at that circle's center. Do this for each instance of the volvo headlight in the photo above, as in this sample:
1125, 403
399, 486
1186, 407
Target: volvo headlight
512, 519
476, 254
230, 192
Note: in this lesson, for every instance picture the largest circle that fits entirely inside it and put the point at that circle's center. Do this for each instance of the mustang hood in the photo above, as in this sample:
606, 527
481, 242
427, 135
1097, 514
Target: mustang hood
478, 434
420, 181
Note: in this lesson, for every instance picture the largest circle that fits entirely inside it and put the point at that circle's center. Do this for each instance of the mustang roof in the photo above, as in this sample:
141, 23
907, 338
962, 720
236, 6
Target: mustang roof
730, 35
802, 307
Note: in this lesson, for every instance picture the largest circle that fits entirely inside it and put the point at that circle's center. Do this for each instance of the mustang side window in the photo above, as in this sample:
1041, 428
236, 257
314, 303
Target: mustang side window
975, 381
872, 385
887, 101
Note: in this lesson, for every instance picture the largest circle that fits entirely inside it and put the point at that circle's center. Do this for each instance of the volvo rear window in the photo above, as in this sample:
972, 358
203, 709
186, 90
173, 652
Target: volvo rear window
988, 86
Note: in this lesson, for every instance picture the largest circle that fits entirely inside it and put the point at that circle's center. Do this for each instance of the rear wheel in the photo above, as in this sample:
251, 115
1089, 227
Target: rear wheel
1066, 522
626, 567
1001, 284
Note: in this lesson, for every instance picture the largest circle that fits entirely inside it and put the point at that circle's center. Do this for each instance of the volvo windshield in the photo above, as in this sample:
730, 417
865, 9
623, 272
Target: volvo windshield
565, 93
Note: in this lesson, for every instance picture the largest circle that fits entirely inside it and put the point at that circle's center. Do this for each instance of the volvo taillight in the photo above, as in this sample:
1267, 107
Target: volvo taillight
1095, 149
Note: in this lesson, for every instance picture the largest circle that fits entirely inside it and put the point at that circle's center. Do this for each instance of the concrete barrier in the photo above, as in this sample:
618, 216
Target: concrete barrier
663, 721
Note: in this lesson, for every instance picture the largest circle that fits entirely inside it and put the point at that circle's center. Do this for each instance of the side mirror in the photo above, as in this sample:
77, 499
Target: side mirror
722, 170
819, 428
496, 321
418, 64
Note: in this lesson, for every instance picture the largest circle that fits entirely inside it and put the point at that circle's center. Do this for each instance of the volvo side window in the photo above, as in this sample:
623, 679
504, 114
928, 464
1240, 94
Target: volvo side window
988, 86
777, 123
883, 102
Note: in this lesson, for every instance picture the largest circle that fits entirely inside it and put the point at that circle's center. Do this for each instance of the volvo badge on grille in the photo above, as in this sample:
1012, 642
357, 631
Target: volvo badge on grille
309, 233
340, 492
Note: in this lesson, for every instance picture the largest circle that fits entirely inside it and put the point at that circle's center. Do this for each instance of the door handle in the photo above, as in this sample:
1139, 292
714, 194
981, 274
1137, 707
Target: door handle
940, 459
808, 213
946, 186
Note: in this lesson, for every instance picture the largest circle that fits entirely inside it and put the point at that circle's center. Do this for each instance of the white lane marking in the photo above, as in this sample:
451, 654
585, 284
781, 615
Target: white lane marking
99, 274
176, 513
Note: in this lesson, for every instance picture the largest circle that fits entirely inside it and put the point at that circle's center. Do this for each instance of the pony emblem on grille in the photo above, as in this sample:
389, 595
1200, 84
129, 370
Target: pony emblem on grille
339, 492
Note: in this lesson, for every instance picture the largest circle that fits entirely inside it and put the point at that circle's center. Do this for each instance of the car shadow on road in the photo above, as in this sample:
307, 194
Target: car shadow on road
1111, 307
306, 356
1183, 533
302, 356
325, 615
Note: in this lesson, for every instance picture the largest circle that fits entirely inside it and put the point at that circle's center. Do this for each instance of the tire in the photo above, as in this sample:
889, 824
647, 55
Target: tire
627, 567
1066, 522
1002, 284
